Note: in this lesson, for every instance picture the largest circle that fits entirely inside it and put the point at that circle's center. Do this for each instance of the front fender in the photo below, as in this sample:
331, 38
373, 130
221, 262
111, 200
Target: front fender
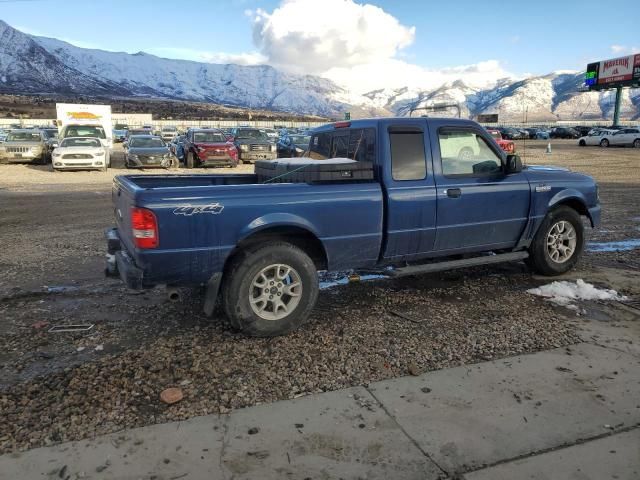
566, 195
277, 220
574, 198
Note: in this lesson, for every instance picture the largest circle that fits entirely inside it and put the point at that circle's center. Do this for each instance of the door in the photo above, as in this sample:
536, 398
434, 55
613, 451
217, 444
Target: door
411, 193
479, 207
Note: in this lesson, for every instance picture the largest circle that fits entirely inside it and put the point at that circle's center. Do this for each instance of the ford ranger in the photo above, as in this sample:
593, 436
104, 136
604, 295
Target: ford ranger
442, 195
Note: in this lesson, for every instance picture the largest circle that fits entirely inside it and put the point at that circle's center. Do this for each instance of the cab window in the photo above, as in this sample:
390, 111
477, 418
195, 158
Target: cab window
355, 143
465, 152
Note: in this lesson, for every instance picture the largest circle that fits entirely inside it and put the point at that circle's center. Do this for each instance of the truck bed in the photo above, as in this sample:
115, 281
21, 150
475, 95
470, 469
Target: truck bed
202, 218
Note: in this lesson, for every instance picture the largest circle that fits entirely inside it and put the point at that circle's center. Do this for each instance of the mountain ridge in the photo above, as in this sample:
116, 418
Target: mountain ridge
41, 65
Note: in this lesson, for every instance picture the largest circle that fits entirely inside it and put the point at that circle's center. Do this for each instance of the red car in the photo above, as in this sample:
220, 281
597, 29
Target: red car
506, 145
209, 147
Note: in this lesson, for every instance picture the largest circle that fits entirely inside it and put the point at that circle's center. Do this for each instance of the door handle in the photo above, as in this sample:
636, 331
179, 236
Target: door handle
454, 192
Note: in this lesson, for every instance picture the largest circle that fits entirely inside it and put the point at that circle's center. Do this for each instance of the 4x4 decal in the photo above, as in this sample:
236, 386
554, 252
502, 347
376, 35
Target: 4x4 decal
189, 210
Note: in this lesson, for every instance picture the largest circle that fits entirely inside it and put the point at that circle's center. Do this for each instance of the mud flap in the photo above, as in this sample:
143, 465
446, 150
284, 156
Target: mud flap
211, 294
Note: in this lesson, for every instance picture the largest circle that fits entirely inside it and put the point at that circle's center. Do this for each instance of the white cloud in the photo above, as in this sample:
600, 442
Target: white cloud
250, 58
359, 46
310, 36
623, 49
395, 73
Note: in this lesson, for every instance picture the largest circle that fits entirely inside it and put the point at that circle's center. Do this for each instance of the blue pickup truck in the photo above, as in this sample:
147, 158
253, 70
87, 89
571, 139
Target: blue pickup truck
442, 195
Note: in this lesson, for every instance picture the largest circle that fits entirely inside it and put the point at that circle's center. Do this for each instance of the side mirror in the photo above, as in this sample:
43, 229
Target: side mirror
514, 164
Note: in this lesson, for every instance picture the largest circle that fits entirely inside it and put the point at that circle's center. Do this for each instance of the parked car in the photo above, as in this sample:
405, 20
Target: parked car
257, 247
293, 145
595, 137
51, 138
542, 134
253, 144
143, 151
627, 137
582, 130
88, 130
137, 131
168, 132
563, 132
176, 146
209, 148
119, 135
75, 153
25, 145
509, 133
506, 145
271, 134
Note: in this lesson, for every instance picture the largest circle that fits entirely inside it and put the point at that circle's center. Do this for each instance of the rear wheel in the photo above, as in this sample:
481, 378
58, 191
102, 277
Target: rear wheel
190, 160
270, 290
558, 243
636, 143
604, 142
582, 143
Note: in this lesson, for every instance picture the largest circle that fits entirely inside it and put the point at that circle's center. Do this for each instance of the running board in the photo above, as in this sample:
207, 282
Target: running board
451, 264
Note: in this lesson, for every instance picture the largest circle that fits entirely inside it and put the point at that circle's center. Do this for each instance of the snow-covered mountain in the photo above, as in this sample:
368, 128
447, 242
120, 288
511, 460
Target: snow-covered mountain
557, 96
39, 65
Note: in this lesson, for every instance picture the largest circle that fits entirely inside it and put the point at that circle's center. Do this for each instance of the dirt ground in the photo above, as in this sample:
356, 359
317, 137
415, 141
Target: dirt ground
63, 386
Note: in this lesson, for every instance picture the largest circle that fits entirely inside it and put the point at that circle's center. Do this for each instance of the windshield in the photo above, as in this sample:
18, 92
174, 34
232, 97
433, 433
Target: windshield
23, 137
50, 133
251, 133
85, 131
209, 137
300, 139
80, 142
146, 142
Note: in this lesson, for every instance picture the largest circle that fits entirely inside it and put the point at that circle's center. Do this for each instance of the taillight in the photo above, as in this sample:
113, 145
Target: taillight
341, 124
233, 152
145, 228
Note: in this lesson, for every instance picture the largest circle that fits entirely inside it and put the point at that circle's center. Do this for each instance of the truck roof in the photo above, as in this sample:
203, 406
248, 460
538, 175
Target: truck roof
373, 122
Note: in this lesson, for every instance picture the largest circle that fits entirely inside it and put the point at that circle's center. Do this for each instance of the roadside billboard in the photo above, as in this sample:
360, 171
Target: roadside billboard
615, 72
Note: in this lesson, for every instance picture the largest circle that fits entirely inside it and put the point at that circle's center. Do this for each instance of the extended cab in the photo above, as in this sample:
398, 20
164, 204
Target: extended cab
442, 195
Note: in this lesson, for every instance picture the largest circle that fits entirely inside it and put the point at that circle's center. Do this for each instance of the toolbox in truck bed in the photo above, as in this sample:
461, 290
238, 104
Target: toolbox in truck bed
306, 170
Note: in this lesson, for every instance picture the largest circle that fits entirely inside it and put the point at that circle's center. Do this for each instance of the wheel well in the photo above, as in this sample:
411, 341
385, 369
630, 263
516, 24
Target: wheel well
576, 204
301, 238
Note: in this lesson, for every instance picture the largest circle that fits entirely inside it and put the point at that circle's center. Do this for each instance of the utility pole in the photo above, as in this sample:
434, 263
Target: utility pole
616, 110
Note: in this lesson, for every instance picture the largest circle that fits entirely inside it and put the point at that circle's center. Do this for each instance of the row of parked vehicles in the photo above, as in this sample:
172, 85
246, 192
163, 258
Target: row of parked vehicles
611, 137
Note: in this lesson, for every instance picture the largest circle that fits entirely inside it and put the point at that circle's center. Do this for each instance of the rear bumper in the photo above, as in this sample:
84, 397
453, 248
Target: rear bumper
119, 263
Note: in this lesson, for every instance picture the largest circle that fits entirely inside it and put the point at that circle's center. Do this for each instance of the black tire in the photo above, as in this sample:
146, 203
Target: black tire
539, 257
582, 143
238, 286
190, 161
636, 143
604, 142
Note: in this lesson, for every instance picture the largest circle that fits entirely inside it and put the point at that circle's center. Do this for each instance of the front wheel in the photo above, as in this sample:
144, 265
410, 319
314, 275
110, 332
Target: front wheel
582, 143
636, 143
558, 243
190, 160
604, 142
270, 290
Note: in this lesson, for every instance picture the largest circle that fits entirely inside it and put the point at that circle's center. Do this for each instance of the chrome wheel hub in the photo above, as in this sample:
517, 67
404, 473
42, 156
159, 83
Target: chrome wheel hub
275, 292
561, 241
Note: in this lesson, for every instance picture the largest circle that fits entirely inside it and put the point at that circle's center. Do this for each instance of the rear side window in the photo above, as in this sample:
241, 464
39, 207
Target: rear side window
408, 160
356, 143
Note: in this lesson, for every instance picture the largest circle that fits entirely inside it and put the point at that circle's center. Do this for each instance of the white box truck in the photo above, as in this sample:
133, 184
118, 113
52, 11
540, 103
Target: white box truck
84, 120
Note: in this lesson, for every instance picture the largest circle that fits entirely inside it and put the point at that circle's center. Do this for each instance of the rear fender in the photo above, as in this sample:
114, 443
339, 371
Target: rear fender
276, 220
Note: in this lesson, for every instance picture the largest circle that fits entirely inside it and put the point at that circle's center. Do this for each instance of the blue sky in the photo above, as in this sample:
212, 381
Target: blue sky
524, 37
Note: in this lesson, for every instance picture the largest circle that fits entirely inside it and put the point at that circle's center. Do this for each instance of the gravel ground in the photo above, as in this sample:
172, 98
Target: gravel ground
65, 386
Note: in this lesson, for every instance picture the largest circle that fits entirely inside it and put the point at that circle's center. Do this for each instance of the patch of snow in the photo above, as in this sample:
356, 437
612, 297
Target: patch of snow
3, 79
99, 348
623, 245
564, 293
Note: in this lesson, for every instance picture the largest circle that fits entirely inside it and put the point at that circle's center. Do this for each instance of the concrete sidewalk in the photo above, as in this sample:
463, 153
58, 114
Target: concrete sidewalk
566, 413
